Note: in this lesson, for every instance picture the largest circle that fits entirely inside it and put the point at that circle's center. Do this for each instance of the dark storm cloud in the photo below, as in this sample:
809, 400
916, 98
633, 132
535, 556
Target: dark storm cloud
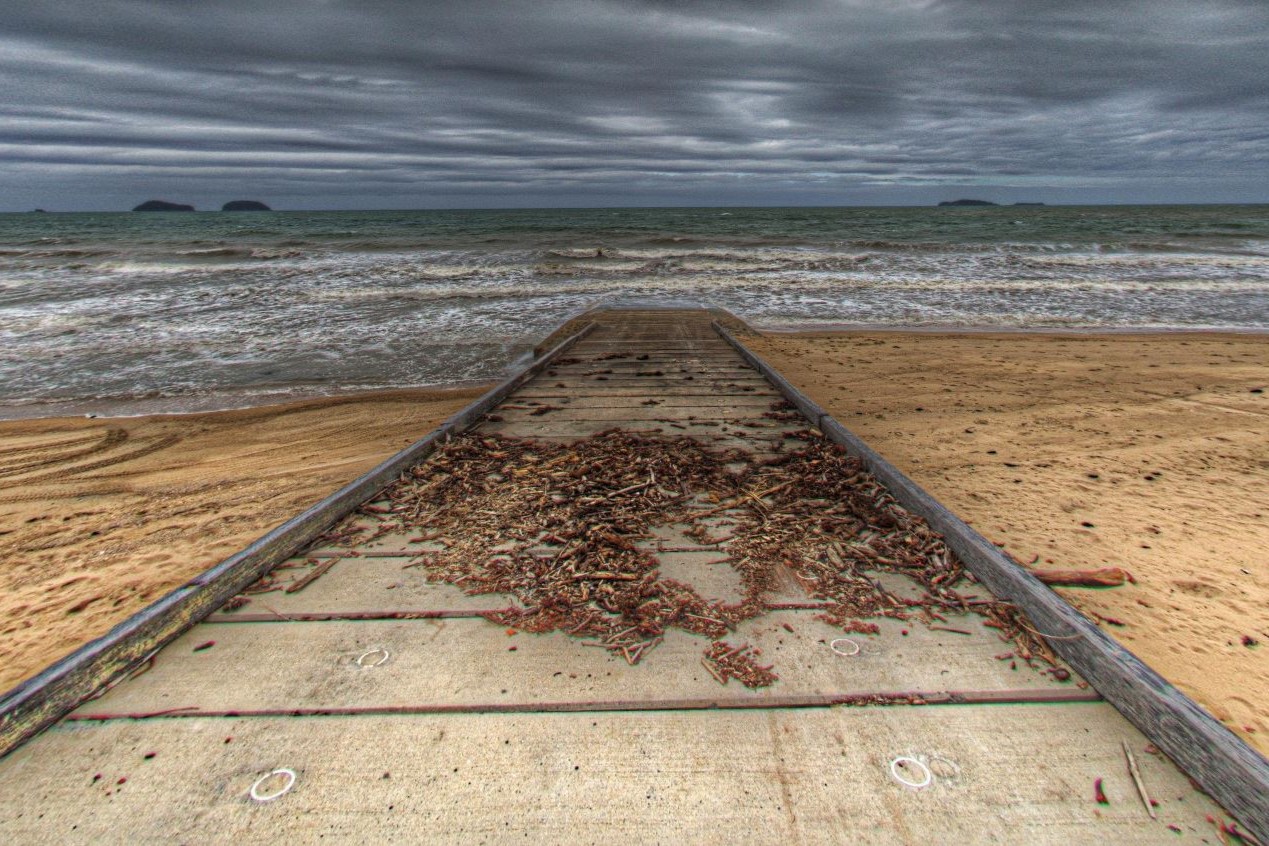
316, 103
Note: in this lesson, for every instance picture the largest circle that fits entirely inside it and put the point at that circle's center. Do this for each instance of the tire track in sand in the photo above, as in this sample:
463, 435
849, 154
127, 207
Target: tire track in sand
114, 437
70, 472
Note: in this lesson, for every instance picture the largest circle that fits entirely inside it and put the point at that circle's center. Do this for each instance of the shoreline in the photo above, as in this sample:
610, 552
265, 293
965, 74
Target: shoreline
111, 408
1081, 450
107, 408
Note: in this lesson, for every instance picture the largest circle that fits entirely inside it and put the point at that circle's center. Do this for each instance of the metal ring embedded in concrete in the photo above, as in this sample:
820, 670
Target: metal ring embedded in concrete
376, 650
269, 797
915, 785
833, 646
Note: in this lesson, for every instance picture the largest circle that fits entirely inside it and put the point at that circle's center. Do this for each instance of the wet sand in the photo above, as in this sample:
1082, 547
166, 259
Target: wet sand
1149, 452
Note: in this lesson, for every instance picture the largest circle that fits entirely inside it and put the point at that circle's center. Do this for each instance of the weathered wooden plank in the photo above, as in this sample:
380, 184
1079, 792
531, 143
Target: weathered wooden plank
44, 698
1231, 771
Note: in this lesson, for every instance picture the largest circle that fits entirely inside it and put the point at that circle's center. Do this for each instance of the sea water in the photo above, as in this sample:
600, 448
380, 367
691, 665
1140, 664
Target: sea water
134, 312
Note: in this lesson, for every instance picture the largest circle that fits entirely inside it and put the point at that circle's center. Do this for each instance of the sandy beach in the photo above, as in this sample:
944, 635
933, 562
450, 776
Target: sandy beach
100, 517
1144, 451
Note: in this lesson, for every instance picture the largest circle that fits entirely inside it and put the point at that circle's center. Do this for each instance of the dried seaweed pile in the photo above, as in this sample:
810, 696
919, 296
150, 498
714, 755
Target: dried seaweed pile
558, 527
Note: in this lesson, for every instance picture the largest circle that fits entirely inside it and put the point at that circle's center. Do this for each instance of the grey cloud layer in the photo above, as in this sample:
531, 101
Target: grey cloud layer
362, 104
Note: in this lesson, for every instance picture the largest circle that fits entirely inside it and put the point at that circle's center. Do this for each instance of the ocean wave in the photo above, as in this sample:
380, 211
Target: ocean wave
674, 240
423, 294
582, 253
242, 253
68, 253
962, 246
124, 306
216, 252
141, 268
647, 262
1243, 248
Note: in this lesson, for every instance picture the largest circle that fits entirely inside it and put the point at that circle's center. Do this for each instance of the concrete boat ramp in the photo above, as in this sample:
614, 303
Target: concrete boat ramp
359, 702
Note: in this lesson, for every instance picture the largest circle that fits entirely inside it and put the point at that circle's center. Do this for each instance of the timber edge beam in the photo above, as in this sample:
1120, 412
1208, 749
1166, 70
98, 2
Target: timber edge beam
1229, 770
42, 700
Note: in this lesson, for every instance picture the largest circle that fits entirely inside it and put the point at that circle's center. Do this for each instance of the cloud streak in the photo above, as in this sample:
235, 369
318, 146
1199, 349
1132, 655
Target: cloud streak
388, 103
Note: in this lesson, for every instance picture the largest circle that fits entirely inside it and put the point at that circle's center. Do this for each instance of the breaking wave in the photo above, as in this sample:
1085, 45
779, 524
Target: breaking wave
118, 306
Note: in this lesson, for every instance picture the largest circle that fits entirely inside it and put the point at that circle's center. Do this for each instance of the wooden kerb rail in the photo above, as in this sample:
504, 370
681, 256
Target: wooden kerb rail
1223, 765
44, 699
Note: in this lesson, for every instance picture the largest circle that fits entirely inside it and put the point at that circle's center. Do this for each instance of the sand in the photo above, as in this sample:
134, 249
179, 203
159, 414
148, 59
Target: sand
100, 517
1149, 452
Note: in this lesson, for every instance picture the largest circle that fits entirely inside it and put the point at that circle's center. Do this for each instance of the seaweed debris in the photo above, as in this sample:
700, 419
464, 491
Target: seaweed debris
567, 530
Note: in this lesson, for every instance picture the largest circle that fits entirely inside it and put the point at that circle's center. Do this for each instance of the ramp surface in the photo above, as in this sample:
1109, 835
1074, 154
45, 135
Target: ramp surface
402, 713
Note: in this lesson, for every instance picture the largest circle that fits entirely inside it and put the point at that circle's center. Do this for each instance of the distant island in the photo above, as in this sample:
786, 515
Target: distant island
967, 203
245, 205
1028, 204
162, 206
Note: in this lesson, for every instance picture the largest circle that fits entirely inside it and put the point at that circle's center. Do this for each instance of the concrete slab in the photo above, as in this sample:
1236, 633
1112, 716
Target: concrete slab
641, 413
472, 662
601, 390
656, 386
721, 369
600, 343
364, 584
1000, 774
707, 572
358, 585
716, 434
639, 400
633, 358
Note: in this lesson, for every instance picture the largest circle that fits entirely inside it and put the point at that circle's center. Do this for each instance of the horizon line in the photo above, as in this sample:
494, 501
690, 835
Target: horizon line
937, 204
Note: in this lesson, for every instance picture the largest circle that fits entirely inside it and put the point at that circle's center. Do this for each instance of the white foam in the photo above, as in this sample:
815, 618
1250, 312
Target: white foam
152, 325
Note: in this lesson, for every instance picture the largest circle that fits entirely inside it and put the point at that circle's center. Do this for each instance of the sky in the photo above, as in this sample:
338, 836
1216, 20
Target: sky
364, 104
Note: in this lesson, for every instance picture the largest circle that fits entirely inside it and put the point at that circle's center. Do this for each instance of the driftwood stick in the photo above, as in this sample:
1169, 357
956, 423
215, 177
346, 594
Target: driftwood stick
1104, 577
756, 496
1136, 779
312, 576
708, 665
